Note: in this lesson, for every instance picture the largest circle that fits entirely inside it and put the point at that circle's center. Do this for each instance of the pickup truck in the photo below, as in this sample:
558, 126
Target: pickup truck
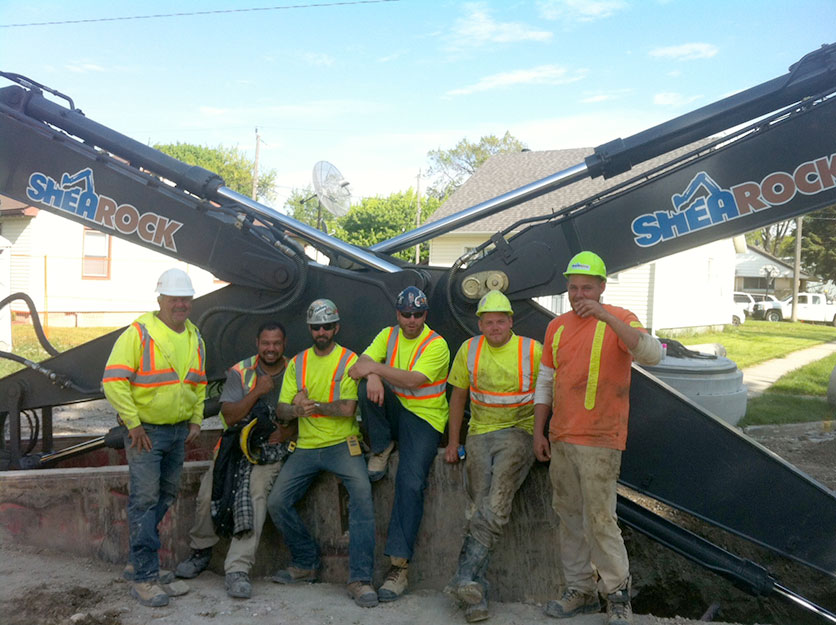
812, 307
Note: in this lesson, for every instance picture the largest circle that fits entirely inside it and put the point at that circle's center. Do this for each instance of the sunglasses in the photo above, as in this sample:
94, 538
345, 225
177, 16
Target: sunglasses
410, 315
321, 326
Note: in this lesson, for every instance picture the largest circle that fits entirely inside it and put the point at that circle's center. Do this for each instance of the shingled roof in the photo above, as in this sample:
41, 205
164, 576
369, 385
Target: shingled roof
505, 172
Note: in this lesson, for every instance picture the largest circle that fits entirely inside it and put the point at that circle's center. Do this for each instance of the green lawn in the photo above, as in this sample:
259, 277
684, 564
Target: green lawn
26, 343
759, 341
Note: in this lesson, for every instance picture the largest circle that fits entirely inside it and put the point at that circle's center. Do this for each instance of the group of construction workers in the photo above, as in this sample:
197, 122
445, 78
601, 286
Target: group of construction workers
563, 401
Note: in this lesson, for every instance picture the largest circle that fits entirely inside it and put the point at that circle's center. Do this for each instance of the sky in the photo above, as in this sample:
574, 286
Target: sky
373, 85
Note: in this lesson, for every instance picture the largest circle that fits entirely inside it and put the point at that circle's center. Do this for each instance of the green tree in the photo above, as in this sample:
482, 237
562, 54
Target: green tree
776, 239
377, 219
229, 163
304, 206
450, 168
818, 243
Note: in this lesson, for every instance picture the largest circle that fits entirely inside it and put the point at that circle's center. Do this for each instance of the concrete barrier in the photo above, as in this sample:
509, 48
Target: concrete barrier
83, 511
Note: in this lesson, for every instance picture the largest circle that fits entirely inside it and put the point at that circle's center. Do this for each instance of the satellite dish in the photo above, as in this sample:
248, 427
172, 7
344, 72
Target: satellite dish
331, 188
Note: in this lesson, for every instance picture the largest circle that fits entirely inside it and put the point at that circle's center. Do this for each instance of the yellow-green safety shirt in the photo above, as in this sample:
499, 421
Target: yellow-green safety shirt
428, 354
501, 382
156, 375
326, 380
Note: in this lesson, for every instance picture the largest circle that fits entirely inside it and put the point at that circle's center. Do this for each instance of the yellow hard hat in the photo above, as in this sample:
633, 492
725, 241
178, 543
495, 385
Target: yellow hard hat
586, 264
494, 301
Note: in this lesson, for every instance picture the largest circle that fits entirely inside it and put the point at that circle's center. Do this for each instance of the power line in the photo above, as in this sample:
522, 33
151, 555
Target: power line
318, 5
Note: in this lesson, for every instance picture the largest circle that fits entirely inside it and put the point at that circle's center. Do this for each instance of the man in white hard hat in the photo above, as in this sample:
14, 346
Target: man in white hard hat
155, 378
318, 392
498, 370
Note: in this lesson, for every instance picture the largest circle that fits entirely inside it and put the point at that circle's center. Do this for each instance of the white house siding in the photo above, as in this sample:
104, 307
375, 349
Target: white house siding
694, 288
631, 289
47, 265
446, 249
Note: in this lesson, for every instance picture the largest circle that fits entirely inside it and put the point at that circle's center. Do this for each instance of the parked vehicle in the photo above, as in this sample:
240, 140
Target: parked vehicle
812, 307
766, 307
741, 311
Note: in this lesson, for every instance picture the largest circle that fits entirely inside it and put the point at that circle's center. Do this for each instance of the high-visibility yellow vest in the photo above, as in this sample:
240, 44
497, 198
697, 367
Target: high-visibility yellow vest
523, 395
141, 381
429, 390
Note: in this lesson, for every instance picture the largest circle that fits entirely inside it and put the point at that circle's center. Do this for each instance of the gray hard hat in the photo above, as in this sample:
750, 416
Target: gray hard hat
322, 311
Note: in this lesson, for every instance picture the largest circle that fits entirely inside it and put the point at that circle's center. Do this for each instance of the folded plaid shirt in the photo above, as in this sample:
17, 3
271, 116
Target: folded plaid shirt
242, 512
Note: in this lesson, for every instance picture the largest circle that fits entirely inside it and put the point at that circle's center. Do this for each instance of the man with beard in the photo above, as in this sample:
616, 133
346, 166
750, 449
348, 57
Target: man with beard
258, 377
584, 385
402, 397
317, 391
155, 379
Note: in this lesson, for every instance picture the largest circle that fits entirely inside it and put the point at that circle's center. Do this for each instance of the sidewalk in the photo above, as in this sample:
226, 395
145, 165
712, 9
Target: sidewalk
759, 377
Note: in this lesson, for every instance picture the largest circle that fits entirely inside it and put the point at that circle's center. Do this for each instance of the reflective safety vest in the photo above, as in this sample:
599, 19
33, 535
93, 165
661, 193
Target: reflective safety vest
300, 362
148, 375
524, 395
425, 391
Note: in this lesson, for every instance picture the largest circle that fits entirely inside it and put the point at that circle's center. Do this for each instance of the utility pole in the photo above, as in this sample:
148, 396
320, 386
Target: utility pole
418, 216
255, 165
796, 278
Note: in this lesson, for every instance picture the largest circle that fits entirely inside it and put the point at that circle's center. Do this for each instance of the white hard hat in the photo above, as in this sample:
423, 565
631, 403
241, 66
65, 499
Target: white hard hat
175, 282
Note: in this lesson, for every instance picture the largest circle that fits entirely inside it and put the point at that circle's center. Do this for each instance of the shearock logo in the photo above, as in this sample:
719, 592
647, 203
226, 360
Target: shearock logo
77, 194
704, 203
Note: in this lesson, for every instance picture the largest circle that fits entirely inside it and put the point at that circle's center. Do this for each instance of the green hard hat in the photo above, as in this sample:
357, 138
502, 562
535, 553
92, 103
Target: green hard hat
494, 301
586, 264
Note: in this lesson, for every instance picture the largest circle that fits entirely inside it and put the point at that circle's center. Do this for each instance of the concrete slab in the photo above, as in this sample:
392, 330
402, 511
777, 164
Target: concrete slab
760, 377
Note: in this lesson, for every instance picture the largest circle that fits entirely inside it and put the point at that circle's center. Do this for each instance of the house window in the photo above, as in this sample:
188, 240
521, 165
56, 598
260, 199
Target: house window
95, 259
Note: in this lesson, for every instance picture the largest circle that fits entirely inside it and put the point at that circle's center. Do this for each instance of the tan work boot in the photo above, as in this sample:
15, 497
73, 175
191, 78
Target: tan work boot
294, 575
149, 594
619, 610
572, 603
363, 594
396, 580
379, 463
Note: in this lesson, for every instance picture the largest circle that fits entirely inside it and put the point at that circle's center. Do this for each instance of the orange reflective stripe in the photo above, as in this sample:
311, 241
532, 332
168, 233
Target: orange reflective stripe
525, 364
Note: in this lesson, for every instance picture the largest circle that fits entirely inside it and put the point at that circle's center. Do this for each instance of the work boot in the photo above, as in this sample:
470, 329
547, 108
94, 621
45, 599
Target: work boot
619, 610
478, 611
294, 575
149, 594
238, 585
195, 564
174, 588
572, 603
473, 561
379, 463
165, 577
362, 593
396, 580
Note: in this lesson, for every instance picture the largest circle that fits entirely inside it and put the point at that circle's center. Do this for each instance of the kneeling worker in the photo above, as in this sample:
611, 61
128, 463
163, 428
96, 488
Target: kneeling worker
318, 391
258, 377
499, 371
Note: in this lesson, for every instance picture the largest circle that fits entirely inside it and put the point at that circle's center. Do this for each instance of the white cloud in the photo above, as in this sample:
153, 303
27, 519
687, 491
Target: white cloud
83, 68
686, 52
541, 75
479, 28
317, 58
671, 99
580, 10
604, 96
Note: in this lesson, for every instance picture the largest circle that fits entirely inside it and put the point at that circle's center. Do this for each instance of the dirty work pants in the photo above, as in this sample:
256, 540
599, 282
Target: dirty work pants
153, 478
496, 466
584, 497
299, 470
242, 548
417, 448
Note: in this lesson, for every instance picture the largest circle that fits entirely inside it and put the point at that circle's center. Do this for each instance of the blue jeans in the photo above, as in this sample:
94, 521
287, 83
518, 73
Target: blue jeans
417, 448
299, 470
154, 478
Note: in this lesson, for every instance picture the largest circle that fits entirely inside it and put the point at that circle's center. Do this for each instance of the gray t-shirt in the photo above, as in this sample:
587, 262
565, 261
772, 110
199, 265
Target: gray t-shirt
234, 388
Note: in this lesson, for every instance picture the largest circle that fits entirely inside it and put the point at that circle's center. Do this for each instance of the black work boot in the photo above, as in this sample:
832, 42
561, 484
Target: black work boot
195, 564
471, 573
